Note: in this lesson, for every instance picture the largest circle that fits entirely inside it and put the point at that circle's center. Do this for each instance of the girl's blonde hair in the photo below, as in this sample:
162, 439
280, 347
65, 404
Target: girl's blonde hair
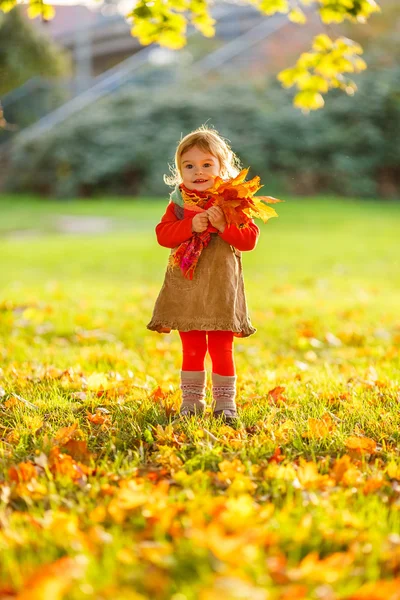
207, 140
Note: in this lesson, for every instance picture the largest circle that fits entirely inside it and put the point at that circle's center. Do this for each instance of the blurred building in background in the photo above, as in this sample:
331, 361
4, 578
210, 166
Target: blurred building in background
118, 84
100, 45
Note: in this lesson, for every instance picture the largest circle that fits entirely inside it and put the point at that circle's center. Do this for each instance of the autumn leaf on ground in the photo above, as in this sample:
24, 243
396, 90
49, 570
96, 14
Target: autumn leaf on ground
342, 464
378, 590
324, 570
319, 428
65, 434
97, 382
24, 471
78, 449
361, 445
51, 581
64, 465
98, 418
158, 394
276, 394
277, 456
308, 476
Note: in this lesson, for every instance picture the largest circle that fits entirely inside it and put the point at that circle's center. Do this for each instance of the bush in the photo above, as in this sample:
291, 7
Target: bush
123, 144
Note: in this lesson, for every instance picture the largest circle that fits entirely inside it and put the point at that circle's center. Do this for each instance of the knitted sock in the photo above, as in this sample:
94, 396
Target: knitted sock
224, 392
193, 386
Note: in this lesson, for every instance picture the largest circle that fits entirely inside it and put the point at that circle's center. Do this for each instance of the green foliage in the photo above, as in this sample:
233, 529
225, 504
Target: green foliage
350, 148
25, 53
165, 22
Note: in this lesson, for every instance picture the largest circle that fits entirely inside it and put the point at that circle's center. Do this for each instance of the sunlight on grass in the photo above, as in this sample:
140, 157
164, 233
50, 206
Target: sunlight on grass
102, 497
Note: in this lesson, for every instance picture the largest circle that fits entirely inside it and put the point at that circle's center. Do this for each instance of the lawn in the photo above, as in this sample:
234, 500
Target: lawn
101, 497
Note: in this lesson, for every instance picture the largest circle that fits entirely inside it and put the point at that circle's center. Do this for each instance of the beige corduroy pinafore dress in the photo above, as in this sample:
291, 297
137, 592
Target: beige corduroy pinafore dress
213, 300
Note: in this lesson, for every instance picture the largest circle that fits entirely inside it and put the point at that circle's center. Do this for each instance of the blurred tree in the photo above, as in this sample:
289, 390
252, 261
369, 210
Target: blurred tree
349, 148
25, 53
315, 73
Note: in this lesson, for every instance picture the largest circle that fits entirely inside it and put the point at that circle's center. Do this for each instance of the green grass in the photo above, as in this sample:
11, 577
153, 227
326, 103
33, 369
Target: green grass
216, 515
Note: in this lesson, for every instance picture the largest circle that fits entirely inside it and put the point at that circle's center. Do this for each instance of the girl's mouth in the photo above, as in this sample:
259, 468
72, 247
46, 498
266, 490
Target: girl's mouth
200, 180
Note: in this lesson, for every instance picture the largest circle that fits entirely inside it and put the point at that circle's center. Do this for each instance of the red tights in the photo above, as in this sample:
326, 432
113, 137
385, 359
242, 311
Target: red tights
220, 348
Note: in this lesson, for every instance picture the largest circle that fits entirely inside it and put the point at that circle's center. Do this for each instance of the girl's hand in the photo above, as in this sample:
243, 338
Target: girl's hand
217, 217
200, 222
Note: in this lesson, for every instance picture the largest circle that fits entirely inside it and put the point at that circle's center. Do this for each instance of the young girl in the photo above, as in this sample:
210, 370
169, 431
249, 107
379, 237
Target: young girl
210, 309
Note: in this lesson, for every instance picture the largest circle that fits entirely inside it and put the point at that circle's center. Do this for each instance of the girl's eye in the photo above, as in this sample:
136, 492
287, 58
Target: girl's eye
206, 165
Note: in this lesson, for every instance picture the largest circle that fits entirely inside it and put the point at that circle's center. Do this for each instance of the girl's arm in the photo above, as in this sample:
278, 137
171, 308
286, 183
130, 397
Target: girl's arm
243, 239
172, 231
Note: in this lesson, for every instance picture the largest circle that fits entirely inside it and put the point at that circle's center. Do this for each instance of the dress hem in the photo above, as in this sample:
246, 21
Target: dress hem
166, 327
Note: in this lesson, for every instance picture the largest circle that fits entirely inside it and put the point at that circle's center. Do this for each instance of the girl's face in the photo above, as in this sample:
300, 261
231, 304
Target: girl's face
199, 169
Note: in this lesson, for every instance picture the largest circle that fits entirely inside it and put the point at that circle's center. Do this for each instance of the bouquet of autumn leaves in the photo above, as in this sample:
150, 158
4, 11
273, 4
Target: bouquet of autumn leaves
236, 198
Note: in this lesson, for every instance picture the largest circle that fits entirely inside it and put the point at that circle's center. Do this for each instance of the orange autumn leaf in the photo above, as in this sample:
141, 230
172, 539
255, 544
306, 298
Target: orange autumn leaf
372, 484
378, 590
12, 436
237, 200
63, 435
324, 570
51, 580
158, 394
319, 428
308, 476
277, 456
98, 418
64, 465
78, 450
294, 592
276, 394
341, 466
360, 445
24, 471
127, 498
10, 402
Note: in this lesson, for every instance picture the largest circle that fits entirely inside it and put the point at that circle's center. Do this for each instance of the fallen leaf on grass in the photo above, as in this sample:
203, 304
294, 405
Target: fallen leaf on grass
51, 581
378, 590
360, 445
308, 476
341, 466
98, 418
276, 456
158, 394
12, 401
373, 484
24, 471
64, 434
324, 570
78, 450
319, 428
61, 464
276, 394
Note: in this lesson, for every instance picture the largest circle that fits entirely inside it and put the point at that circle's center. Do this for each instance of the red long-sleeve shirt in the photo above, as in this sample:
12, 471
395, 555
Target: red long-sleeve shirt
172, 231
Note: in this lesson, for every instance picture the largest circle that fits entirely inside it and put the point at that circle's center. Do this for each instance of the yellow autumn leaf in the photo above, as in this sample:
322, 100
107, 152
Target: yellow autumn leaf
297, 16
322, 42
361, 445
319, 428
309, 100
378, 590
97, 381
